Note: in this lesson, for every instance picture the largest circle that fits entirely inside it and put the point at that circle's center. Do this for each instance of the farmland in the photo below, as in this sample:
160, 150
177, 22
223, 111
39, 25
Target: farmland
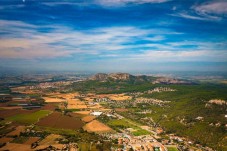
88, 118
57, 120
53, 100
29, 118
97, 127
12, 112
128, 125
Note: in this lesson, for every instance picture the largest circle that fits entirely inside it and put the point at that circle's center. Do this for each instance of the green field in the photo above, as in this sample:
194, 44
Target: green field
140, 132
29, 118
55, 130
126, 123
172, 149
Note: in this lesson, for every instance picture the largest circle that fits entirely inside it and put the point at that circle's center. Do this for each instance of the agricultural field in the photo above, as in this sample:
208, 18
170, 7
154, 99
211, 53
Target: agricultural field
76, 104
50, 139
83, 112
16, 147
29, 118
97, 127
31, 140
119, 97
58, 120
17, 131
5, 139
4, 113
88, 118
128, 125
53, 100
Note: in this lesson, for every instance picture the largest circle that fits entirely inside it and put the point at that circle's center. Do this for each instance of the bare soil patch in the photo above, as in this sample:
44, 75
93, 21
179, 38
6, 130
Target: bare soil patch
17, 131
88, 118
31, 140
83, 112
121, 110
49, 106
6, 139
50, 139
11, 112
16, 147
97, 127
57, 120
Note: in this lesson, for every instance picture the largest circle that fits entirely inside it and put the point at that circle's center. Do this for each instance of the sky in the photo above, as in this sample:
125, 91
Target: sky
113, 35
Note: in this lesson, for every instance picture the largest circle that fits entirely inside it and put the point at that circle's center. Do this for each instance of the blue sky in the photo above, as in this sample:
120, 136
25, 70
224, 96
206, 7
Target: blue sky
113, 35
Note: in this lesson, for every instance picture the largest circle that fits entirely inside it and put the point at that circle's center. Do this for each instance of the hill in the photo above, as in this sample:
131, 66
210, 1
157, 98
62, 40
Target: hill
120, 77
125, 77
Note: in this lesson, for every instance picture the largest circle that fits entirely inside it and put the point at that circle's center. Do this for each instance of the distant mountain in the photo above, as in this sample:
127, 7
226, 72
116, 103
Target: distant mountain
163, 80
125, 77
99, 77
121, 77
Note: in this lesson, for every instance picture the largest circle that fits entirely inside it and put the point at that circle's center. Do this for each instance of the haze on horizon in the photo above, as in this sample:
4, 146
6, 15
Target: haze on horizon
113, 35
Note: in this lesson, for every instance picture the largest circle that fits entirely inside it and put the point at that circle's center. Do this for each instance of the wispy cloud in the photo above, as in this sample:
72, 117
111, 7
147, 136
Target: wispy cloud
196, 16
212, 8
124, 2
24, 41
64, 41
208, 11
104, 3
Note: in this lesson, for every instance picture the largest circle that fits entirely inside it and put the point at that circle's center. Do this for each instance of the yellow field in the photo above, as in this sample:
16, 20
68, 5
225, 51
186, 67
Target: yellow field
76, 104
83, 112
116, 97
119, 97
53, 100
68, 95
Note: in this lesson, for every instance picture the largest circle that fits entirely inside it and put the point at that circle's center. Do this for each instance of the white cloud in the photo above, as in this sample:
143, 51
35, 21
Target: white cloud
179, 56
156, 38
197, 16
214, 7
25, 42
209, 11
105, 3
124, 2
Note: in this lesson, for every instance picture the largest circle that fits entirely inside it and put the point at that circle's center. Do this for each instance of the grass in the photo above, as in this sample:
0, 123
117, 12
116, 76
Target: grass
172, 149
140, 132
20, 140
29, 118
126, 123
84, 146
119, 123
55, 130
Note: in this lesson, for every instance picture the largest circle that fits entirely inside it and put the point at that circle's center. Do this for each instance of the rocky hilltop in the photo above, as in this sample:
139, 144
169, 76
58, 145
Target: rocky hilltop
125, 77
119, 77
99, 77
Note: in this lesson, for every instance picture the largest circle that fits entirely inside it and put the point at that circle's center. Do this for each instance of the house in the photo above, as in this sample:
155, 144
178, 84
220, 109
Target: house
96, 113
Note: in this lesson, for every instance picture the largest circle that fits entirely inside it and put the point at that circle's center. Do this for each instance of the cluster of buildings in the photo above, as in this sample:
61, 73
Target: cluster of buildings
160, 89
150, 101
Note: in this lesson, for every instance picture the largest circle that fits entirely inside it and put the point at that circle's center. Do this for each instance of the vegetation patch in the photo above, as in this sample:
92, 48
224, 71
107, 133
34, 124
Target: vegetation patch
29, 118
172, 149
